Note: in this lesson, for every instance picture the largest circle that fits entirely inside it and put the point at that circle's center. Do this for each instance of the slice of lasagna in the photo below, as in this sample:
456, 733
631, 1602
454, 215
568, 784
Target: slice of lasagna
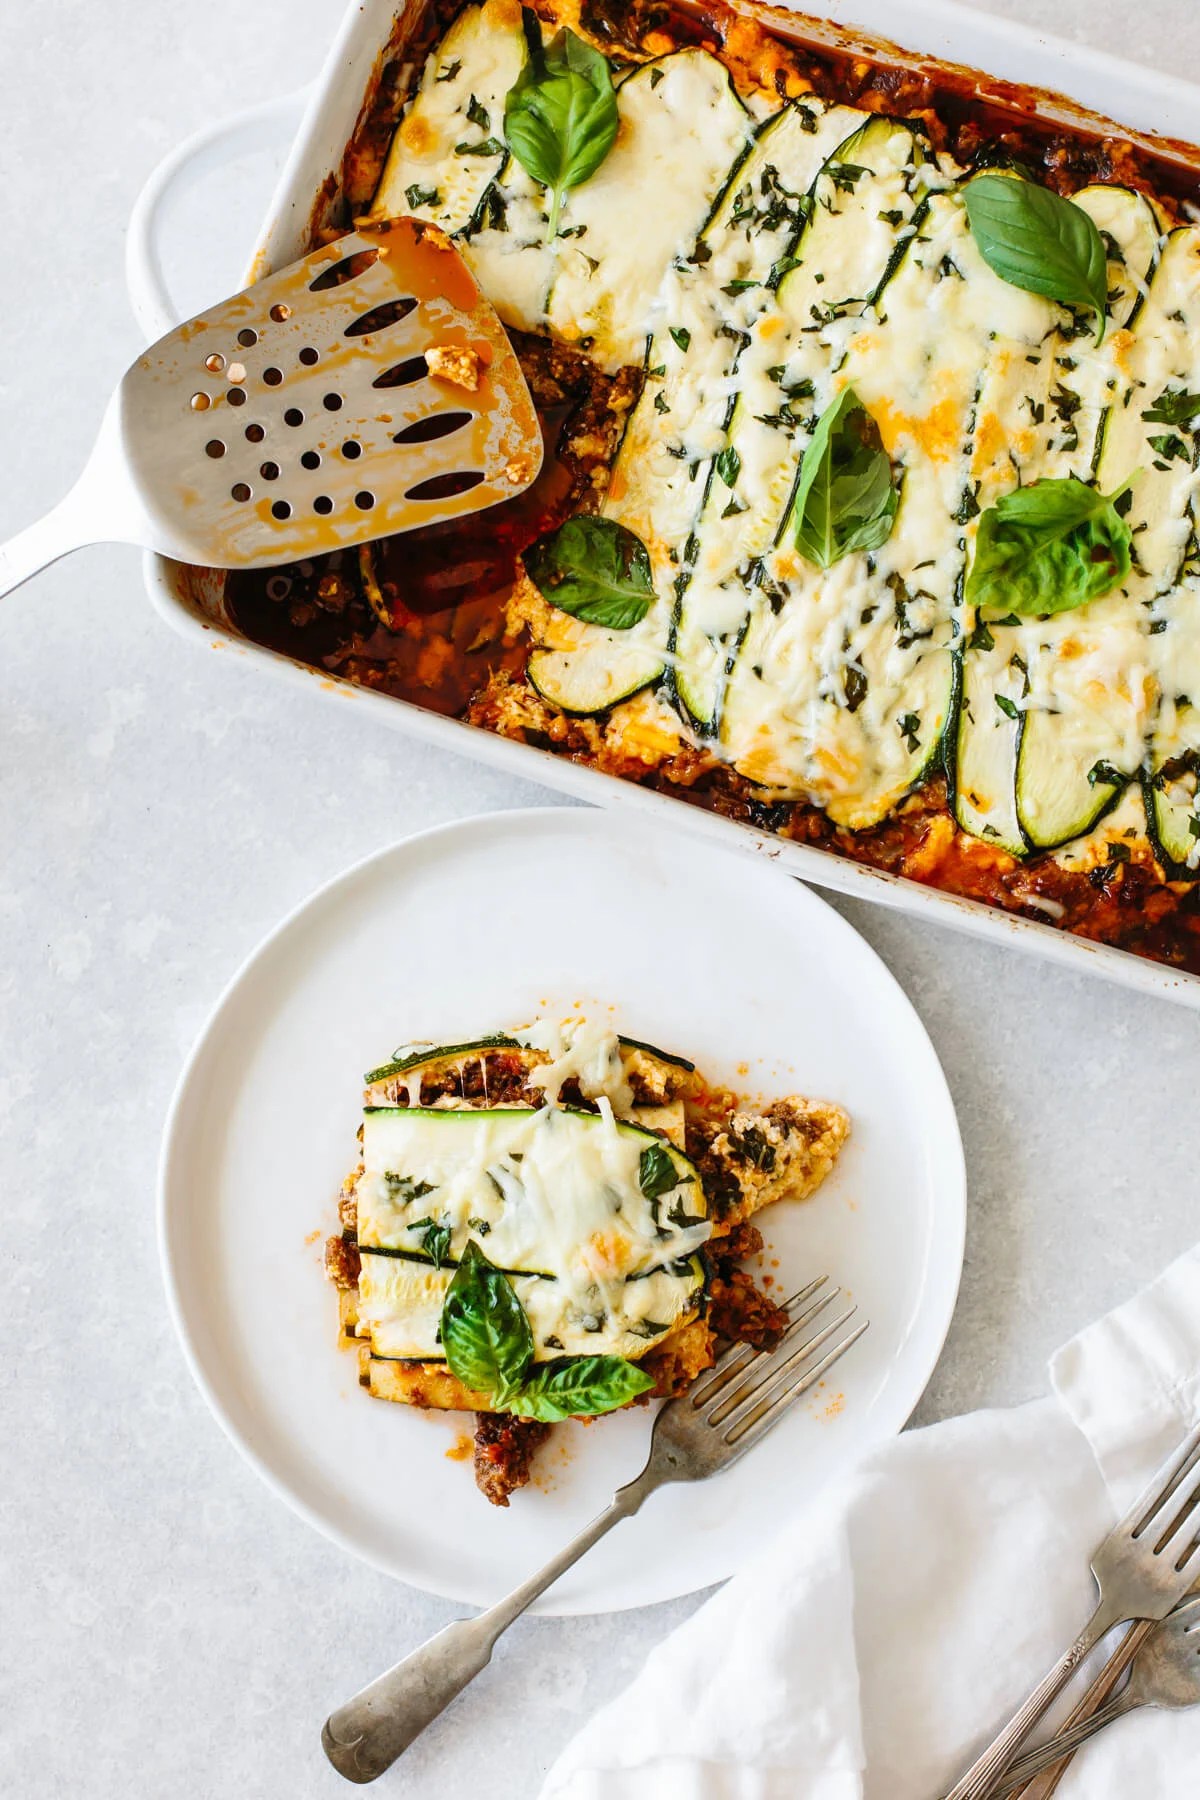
549, 1225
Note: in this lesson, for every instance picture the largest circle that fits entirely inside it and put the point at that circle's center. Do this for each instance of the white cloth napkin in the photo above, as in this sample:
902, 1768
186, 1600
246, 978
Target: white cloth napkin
872, 1649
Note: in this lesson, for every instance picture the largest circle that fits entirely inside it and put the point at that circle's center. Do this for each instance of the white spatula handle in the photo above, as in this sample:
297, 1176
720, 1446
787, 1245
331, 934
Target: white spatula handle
62, 530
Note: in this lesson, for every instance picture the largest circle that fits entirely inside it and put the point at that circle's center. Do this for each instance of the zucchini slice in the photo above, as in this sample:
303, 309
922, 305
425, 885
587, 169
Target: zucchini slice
776, 624
535, 1183
401, 1309
1057, 385
463, 83
660, 474
754, 233
682, 125
555, 1197
1096, 675
430, 1056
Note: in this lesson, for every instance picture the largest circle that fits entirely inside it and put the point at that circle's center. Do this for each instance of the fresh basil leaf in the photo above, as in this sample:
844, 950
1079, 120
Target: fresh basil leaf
595, 570
435, 1241
657, 1173
1174, 406
846, 497
484, 1331
575, 1386
560, 115
1035, 240
1049, 548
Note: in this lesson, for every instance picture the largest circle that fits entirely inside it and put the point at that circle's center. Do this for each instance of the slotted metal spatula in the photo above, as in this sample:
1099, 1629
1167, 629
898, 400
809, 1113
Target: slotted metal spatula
365, 390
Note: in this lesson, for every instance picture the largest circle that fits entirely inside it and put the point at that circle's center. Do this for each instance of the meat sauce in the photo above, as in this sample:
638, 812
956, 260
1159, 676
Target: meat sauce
422, 617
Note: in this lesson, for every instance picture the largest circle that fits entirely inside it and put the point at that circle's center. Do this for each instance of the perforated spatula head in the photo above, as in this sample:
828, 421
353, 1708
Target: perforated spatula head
365, 390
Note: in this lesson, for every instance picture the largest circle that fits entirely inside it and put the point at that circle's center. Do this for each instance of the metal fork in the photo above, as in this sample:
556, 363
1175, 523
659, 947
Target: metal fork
1143, 1568
1166, 1673
725, 1413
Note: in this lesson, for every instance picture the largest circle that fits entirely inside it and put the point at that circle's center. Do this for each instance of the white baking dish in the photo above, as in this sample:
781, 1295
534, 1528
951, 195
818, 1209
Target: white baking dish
1148, 106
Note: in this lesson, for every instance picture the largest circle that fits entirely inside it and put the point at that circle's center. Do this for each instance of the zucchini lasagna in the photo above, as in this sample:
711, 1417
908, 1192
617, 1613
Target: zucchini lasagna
549, 1224
872, 407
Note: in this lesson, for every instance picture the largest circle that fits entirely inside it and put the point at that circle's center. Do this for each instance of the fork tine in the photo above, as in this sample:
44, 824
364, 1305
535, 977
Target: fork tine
1147, 1509
732, 1410
758, 1425
1181, 1517
740, 1356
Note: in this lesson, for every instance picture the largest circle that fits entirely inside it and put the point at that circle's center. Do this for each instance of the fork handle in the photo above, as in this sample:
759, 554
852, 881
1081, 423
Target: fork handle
364, 1737
1045, 1783
982, 1777
1067, 1742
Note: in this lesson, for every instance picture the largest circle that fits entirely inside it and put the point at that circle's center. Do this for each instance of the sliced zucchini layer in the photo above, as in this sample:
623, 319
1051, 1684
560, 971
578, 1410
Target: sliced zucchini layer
1046, 393
681, 124
662, 471
836, 253
435, 167
788, 630
1095, 676
400, 1308
578, 1208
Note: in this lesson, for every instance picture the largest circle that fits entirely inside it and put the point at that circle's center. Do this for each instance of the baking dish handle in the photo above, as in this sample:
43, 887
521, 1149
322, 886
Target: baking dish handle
256, 128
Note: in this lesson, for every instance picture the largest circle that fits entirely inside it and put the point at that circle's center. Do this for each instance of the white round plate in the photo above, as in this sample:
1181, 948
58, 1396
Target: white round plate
482, 925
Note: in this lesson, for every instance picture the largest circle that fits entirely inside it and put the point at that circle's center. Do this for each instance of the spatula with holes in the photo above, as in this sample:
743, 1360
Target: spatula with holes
366, 389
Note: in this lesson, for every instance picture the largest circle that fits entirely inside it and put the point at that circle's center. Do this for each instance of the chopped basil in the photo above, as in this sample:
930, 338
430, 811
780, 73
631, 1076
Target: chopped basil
490, 146
405, 1188
1170, 447
657, 1173
1174, 406
1102, 774
728, 465
681, 337
478, 114
1008, 707
846, 175
416, 195
435, 1239
909, 727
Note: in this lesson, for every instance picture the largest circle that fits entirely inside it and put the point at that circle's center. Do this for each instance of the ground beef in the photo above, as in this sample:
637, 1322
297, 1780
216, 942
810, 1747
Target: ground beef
741, 1312
504, 1449
342, 1261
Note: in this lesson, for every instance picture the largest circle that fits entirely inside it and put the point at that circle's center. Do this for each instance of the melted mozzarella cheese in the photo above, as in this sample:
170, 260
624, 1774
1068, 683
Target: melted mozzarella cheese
552, 1196
588, 1052
838, 685
433, 169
